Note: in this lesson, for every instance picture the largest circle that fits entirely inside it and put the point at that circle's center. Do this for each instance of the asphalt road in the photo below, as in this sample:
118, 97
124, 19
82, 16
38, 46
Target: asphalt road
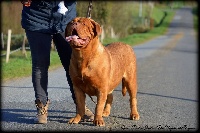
167, 90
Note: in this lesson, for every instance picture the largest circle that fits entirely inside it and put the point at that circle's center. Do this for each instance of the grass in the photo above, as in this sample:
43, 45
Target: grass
157, 15
20, 66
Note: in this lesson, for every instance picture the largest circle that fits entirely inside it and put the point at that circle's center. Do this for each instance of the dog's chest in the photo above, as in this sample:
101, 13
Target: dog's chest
85, 72
84, 66
88, 83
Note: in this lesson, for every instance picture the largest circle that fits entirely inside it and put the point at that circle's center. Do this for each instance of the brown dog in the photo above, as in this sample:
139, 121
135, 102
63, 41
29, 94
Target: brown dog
97, 70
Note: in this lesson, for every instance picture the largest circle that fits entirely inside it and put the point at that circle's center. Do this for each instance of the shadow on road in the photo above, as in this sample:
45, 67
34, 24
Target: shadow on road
27, 116
16, 115
159, 95
167, 96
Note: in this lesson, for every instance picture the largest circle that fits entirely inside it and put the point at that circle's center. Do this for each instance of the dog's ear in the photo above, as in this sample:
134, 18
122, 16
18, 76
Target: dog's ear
66, 33
97, 28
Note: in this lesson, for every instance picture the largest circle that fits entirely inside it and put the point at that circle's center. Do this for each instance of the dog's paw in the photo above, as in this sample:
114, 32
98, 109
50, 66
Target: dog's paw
99, 122
134, 116
106, 113
74, 120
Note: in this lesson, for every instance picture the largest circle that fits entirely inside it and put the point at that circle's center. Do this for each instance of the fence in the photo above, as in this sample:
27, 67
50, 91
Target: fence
22, 47
8, 51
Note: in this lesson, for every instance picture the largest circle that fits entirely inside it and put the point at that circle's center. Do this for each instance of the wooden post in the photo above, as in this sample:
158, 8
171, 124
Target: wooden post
23, 46
102, 36
140, 9
2, 41
8, 45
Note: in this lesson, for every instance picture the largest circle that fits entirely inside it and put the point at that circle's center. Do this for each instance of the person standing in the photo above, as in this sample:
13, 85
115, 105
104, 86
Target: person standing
43, 22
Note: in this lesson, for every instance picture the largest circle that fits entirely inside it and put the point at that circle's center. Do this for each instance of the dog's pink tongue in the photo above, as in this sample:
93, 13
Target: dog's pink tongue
75, 38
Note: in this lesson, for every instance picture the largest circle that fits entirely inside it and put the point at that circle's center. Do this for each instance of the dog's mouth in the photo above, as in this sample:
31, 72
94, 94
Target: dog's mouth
76, 40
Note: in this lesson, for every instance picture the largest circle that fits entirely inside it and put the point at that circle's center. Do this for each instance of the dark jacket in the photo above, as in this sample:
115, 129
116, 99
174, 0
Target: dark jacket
42, 16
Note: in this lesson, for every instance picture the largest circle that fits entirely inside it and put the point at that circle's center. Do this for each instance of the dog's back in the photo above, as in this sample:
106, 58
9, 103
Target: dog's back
121, 53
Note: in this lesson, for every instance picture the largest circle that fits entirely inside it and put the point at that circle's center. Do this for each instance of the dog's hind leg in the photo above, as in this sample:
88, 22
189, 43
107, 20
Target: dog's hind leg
131, 85
107, 107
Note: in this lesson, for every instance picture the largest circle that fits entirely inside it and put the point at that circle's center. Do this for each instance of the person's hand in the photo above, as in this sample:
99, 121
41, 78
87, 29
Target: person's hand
26, 3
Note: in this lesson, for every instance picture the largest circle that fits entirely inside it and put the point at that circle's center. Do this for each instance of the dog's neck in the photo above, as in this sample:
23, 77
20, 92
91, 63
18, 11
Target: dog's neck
87, 54
89, 51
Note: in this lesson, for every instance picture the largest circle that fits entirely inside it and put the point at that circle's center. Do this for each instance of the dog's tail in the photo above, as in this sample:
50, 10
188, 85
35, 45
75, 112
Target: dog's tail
123, 87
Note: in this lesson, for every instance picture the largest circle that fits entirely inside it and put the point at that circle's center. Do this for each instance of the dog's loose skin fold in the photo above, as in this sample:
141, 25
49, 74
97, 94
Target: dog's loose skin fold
97, 70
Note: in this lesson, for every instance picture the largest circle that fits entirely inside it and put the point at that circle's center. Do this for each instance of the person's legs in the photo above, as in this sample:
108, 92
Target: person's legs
64, 52
40, 45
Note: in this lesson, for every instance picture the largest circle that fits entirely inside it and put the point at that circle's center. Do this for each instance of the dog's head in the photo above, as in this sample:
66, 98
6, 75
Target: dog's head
80, 31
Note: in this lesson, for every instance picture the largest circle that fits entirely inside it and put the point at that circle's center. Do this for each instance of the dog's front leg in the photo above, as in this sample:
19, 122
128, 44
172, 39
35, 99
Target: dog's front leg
80, 106
101, 99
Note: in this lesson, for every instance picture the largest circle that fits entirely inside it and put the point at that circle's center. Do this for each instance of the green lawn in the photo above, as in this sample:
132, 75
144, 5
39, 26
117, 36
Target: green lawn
20, 66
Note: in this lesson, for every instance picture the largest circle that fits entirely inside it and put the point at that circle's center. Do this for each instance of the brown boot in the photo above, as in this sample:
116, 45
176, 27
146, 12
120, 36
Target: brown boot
89, 116
42, 112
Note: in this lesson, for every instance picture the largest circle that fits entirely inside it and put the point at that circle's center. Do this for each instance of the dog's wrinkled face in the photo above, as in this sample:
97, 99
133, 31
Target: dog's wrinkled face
80, 31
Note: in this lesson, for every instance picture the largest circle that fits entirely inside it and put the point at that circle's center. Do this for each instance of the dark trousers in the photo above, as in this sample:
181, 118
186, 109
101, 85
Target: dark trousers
40, 45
